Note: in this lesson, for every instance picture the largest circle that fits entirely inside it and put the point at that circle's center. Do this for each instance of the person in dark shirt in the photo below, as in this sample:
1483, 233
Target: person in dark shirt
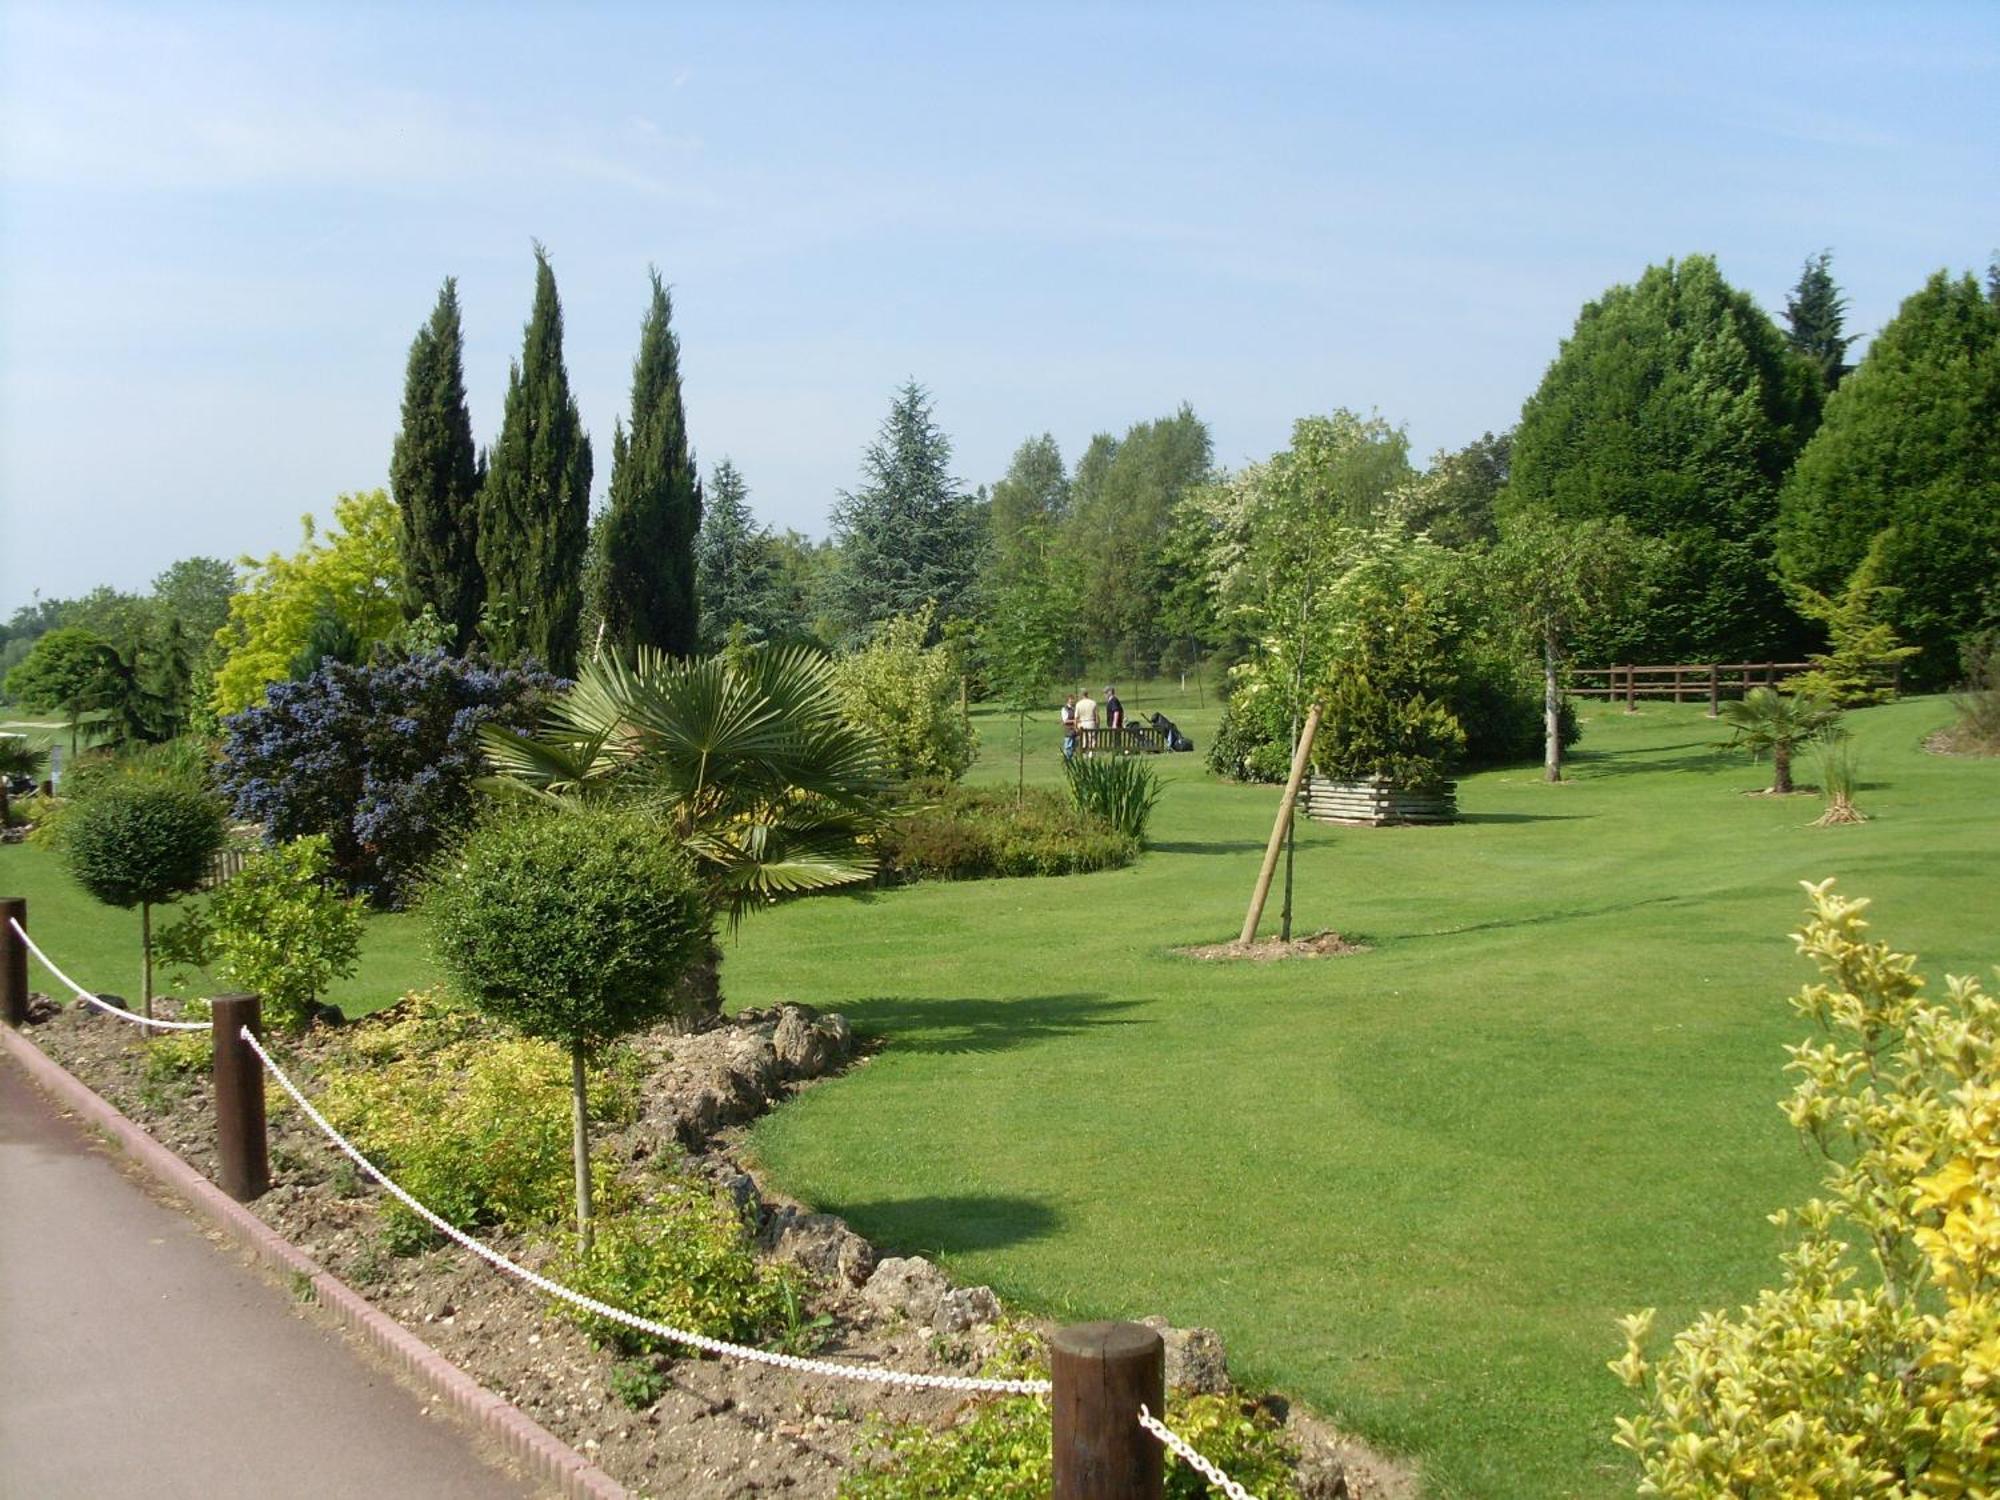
1114, 711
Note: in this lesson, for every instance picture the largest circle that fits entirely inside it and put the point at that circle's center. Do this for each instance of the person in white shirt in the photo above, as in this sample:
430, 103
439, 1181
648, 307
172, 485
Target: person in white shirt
1086, 722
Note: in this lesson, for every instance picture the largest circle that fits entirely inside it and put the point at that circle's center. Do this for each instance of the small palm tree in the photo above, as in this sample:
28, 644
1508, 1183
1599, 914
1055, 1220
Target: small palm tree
745, 757
1767, 719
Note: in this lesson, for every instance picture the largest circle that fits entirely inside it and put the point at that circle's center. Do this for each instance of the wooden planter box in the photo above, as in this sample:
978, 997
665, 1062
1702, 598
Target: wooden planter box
1375, 802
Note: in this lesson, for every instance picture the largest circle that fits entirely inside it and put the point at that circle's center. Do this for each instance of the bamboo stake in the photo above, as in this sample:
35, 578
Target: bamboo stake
1278, 829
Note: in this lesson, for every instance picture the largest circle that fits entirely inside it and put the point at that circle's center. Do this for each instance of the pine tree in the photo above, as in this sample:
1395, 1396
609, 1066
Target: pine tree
655, 513
534, 511
908, 535
435, 474
734, 569
1814, 313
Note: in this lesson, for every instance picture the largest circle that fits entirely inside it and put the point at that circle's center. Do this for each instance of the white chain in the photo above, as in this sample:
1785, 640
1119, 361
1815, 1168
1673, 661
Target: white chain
90, 999
618, 1315
1201, 1466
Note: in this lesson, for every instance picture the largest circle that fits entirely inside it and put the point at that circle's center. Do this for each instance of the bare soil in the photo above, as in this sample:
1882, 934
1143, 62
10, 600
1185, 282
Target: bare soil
720, 1428
1327, 944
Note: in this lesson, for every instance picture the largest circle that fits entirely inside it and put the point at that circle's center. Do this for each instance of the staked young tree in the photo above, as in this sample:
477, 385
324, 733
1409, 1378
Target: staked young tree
649, 577
735, 569
1911, 446
1814, 314
435, 475
908, 536
1677, 404
534, 509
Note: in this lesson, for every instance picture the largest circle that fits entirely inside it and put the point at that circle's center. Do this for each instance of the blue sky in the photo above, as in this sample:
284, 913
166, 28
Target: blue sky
220, 227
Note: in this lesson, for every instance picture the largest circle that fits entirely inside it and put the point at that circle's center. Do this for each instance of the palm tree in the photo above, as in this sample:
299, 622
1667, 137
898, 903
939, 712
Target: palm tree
1766, 719
744, 757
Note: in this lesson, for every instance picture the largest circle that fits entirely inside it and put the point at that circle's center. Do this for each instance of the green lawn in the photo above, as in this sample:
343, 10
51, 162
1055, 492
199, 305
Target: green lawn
1414, 1186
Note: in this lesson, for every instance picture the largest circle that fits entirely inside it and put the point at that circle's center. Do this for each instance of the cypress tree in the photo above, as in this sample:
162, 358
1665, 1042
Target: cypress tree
1814, 313
435, 474
648, 594
534, 510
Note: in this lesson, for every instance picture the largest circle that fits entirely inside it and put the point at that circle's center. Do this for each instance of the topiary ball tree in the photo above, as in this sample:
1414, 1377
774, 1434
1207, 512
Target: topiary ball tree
574, 926
141, 841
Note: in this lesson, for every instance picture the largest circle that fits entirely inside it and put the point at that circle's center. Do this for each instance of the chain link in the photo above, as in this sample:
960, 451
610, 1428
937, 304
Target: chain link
1186, 1454
617, 1314
90, 999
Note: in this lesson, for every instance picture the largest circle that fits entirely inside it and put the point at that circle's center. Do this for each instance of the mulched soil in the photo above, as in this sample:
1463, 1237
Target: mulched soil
1328, 944
721, 1428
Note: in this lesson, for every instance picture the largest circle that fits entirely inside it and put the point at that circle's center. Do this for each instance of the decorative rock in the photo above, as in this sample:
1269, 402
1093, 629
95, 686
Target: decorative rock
968, 1307
742, 1187
806, 1044
909, 1285
116, 1002
1195, 1358
1322, 1477
821, 1244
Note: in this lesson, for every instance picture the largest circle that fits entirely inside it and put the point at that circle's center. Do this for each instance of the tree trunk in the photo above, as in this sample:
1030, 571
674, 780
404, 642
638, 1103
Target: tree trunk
1262, 893
1552, 735
699, 991
1291, 842
580, 1142
1781, 767
1021, 775
146, 957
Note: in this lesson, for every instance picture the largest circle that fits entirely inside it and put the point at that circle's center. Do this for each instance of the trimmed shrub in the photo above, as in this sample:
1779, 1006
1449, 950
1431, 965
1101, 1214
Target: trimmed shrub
1119, 791
906, 694
967, 833
381, 759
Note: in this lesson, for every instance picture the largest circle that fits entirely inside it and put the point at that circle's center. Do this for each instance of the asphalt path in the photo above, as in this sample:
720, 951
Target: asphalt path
139, 1358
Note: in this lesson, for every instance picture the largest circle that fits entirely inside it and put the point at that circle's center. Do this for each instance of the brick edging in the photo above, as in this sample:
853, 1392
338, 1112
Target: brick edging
546, 1456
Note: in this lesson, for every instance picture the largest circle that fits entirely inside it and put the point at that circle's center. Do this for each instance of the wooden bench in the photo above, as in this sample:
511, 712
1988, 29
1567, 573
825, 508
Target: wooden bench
1127, 739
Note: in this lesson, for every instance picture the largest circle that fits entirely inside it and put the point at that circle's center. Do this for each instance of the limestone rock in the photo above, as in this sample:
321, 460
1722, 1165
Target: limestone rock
821, 1244
808, 1044
909, 1285
1196, 1361
966, 1308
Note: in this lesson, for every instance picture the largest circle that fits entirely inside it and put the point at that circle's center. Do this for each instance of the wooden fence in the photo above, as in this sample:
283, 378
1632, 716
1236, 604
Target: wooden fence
1694, 682
1127, 739
226, 864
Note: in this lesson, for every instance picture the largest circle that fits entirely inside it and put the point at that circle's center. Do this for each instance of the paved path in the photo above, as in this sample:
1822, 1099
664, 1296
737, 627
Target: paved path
138, 1359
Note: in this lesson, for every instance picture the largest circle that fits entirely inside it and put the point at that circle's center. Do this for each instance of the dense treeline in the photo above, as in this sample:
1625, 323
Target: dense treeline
1744, 466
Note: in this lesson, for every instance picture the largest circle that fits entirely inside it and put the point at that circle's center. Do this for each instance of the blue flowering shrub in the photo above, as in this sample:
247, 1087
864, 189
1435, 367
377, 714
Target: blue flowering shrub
379, 758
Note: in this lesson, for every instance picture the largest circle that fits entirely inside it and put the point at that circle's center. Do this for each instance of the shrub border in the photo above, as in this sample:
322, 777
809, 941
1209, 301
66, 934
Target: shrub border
546, 1456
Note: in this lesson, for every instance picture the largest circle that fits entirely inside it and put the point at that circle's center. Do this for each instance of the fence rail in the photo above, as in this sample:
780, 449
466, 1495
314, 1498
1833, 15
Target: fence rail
1691, 682
1127, 739
1106, 1379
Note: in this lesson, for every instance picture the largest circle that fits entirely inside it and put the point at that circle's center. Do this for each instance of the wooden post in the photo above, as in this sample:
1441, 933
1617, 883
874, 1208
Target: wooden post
1279, 828
1715, 690
1896, 679
242, 1145
13, 961
1631, 691
1100, 1375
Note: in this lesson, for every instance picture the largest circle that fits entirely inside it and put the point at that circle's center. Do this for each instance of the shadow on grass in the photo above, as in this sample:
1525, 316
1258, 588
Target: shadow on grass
1593, 764
946, 1026
942, 1225
1541, 918
1216, 846
1466, 817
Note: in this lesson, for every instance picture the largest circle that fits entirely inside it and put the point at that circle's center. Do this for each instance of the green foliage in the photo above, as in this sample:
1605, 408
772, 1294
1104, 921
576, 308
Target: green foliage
1911, 445
1839, 777
904, 694
1029, 504
1814, 313
277, 928
141, 840
435, 474
736, 567
1871, 1368
1676, 404
66, 671
1119, 791
1000, 1450
745, 757
574, 927
1112, 547
909, 535
534, 509
638, 1382
1766, 720
475, 1125
649, 529
355, 577
679, 1255
1978, 701
1863, 647
967, 833
1452, 501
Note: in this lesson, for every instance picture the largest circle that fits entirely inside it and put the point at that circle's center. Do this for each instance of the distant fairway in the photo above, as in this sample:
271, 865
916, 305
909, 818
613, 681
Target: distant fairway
1414, 1186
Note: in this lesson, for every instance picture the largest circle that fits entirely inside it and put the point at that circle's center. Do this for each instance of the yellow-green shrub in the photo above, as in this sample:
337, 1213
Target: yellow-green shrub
1873, 1368
475, 1125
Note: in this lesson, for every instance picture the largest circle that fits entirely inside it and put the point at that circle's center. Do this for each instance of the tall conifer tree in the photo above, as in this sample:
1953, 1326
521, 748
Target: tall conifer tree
655, 512
735, 569
435, 474
1814, 314
534, 510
